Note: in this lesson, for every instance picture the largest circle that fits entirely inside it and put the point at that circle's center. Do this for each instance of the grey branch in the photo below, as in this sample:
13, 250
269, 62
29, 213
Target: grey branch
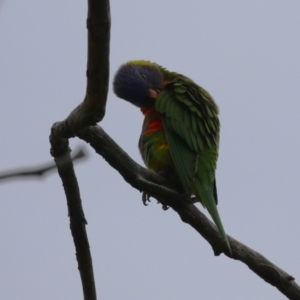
145, 180
89, 112
41, 170
81, 123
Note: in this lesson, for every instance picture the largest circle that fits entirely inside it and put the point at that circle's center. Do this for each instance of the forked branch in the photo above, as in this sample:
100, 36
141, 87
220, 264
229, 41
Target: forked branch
145, 180
81, 123
89, 112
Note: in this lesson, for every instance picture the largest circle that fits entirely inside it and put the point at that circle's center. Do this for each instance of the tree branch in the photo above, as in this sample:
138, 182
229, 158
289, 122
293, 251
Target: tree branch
77, 223
79, 122
42, 170
89, 112
145, 180
92, 109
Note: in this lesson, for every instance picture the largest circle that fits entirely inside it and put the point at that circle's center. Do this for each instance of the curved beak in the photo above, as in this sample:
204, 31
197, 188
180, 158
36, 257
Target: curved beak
153, 93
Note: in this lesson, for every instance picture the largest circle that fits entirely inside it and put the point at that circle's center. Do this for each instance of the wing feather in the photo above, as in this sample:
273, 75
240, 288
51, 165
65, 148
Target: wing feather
190, 120
191, 125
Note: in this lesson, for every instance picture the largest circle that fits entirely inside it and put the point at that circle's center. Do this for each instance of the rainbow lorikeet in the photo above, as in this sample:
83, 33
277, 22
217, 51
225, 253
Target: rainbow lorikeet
180, 133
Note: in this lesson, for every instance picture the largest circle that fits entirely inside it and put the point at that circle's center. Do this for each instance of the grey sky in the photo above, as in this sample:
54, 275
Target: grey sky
245, 54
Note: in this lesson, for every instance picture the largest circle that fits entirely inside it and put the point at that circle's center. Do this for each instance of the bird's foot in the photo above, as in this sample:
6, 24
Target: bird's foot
162, 173
145, 198
164, 206
193, 200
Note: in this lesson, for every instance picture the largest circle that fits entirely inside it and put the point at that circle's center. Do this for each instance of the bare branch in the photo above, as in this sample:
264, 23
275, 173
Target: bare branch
79, 122
89, 112
77, 224
98, 25
92, 109
42, 170
145, 180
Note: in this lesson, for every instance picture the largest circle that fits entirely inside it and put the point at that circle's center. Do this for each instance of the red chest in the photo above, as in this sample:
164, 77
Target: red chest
153, 121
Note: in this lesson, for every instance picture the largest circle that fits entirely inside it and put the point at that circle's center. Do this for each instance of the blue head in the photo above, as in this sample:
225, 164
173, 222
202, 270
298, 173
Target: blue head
137, 82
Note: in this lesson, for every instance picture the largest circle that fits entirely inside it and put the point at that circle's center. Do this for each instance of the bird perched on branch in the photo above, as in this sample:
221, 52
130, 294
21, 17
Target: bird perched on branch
180, 133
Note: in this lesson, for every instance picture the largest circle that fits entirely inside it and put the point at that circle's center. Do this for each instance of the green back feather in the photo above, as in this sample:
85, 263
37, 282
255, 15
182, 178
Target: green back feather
191, 125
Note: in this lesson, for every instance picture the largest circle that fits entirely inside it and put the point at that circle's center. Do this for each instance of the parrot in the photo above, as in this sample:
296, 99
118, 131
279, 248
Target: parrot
180, 132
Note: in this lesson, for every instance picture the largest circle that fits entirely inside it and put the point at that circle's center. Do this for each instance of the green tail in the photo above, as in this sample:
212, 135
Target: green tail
209, 202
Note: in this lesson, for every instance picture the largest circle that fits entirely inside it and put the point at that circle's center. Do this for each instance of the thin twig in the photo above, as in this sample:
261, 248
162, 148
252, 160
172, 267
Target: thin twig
41, 170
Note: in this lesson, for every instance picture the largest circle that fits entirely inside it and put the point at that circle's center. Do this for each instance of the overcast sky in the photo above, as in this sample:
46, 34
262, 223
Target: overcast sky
245, 53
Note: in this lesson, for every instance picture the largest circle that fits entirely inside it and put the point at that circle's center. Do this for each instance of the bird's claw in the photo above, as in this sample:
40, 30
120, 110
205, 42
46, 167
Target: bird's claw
145, 198
164, 206
193, 200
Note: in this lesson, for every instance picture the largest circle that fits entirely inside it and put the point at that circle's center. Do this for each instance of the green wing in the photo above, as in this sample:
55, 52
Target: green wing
191, 124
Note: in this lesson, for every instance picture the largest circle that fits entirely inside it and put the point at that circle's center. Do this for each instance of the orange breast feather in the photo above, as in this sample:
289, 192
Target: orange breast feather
154, 121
